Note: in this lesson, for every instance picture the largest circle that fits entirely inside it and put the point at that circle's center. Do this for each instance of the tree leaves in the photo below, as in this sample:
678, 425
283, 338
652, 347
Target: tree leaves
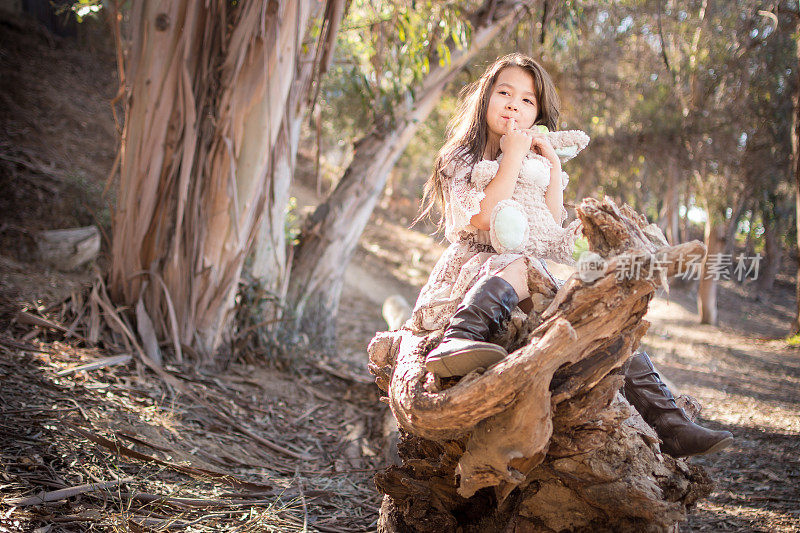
391, 46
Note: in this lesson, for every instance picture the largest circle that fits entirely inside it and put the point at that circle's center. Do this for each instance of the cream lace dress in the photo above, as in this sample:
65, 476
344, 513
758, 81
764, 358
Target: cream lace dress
471, 254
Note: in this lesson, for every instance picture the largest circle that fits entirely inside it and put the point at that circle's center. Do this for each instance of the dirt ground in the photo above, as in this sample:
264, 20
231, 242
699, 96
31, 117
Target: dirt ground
290, 443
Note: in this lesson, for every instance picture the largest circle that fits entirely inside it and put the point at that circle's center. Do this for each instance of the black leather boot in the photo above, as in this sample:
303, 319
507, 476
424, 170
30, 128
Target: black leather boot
485, 308
650, 396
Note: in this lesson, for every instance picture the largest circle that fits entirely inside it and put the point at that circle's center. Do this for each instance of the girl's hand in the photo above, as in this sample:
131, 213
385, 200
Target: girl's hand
542, 146
516, 142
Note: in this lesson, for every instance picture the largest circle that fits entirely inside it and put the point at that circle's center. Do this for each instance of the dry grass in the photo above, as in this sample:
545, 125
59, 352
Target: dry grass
182, 463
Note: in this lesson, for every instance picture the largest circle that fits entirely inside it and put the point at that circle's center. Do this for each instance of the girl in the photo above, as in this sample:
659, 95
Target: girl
493, 155
490, 141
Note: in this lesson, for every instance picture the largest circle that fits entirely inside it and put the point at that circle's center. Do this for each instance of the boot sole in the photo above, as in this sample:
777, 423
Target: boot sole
462, 362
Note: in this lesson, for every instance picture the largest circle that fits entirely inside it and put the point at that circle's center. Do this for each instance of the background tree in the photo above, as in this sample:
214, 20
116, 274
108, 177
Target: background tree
676, 117
767, 162
794, 28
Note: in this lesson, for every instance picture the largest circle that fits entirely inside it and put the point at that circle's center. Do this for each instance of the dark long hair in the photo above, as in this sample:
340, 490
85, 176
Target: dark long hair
467, 132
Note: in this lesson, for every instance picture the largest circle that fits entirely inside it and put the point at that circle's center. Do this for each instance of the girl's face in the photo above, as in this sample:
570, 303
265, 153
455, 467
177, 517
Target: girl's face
513, 95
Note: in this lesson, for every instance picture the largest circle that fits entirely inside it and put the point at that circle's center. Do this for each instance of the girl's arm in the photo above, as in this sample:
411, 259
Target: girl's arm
514, 145
500, 188
554, 195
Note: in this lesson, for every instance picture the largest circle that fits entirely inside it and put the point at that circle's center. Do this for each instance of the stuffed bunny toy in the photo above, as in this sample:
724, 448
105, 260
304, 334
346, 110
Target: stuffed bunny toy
523, 224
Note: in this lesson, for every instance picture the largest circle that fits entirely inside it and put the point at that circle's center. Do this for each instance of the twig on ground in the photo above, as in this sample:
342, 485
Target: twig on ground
146, 497
83, 413
24, 317
302, 501
68, 492
10, 343
269, 444
343, 375
100, 363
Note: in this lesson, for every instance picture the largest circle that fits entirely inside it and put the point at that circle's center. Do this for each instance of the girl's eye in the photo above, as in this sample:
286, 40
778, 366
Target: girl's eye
504, 92
527, 101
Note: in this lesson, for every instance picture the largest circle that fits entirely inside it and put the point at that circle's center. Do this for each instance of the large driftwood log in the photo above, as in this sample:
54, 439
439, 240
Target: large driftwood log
542, 441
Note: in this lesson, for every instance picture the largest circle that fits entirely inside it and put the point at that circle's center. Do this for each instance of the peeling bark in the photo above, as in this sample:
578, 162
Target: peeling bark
206, 88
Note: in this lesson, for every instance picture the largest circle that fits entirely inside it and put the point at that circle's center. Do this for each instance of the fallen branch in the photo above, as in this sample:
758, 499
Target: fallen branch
68, 492
120, 359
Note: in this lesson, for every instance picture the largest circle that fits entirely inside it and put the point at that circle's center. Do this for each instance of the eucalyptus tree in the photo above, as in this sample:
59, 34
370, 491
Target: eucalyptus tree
206, 86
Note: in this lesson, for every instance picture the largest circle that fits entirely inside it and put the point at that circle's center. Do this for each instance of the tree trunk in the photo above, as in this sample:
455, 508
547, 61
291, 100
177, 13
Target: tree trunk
206, 90
542, 441
707, 288
669, 213
796, 171
270, 263
269, 250
773, 255
732, 225
330, 234
684, 223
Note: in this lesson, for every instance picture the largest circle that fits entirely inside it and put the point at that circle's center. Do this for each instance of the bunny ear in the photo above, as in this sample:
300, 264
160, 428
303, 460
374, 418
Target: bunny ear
568, 143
